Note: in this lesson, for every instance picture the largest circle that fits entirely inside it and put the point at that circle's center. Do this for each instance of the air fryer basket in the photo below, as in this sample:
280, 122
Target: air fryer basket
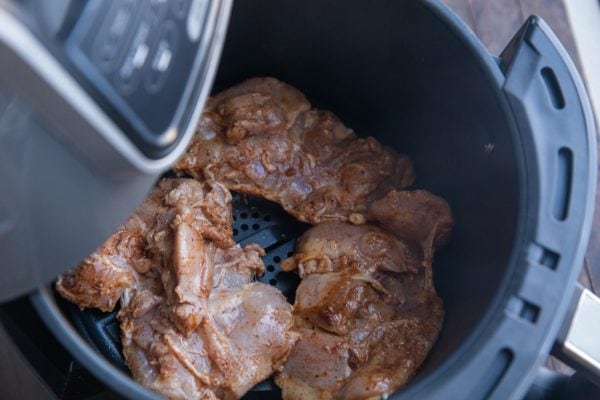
489, 135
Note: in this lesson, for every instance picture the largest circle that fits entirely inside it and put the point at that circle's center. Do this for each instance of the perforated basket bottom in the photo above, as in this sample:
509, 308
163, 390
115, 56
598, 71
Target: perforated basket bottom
255, 221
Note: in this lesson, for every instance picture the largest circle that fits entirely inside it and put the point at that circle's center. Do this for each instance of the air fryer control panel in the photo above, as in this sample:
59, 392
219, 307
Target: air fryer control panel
137, 58
110, 92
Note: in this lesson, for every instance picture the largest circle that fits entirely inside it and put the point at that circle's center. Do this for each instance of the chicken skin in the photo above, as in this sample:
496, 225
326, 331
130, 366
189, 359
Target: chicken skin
366, 311
416, 216
262, 138
193, 323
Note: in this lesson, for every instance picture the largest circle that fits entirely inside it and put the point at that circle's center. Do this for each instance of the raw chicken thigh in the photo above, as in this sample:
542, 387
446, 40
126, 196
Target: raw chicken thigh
194, 325
262, 138
366, 311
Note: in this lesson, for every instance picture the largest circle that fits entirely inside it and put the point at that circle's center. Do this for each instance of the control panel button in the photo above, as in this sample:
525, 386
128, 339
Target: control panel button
128, 75
113, 34
195, 19
162, 58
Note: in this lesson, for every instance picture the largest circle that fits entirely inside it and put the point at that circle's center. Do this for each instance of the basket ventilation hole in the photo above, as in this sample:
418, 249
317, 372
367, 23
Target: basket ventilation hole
538, 254
563, 183
553, 87
523, 309
495, 371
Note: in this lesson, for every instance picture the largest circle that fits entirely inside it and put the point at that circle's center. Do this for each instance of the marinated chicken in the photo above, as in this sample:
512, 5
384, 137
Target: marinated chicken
262, 138
193, 324
336, 246
416, 216
102, 278
366, 311
243, 338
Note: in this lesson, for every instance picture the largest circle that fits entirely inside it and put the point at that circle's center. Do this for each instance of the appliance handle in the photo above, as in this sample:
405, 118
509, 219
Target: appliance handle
578, 341
558, 139
550, 105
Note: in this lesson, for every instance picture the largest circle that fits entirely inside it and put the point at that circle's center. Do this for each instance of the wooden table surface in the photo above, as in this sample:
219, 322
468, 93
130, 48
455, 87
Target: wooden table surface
495, 22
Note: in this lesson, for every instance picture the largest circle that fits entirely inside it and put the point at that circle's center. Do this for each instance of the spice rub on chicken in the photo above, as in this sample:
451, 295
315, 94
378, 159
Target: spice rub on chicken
139, 246
366, 311
193, 322
195, 325
244, 336
262, 138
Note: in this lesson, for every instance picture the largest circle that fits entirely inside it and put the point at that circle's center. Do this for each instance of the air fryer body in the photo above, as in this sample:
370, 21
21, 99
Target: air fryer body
412, 75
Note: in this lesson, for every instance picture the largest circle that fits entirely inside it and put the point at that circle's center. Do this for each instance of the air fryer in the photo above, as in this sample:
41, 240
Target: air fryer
508, 141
